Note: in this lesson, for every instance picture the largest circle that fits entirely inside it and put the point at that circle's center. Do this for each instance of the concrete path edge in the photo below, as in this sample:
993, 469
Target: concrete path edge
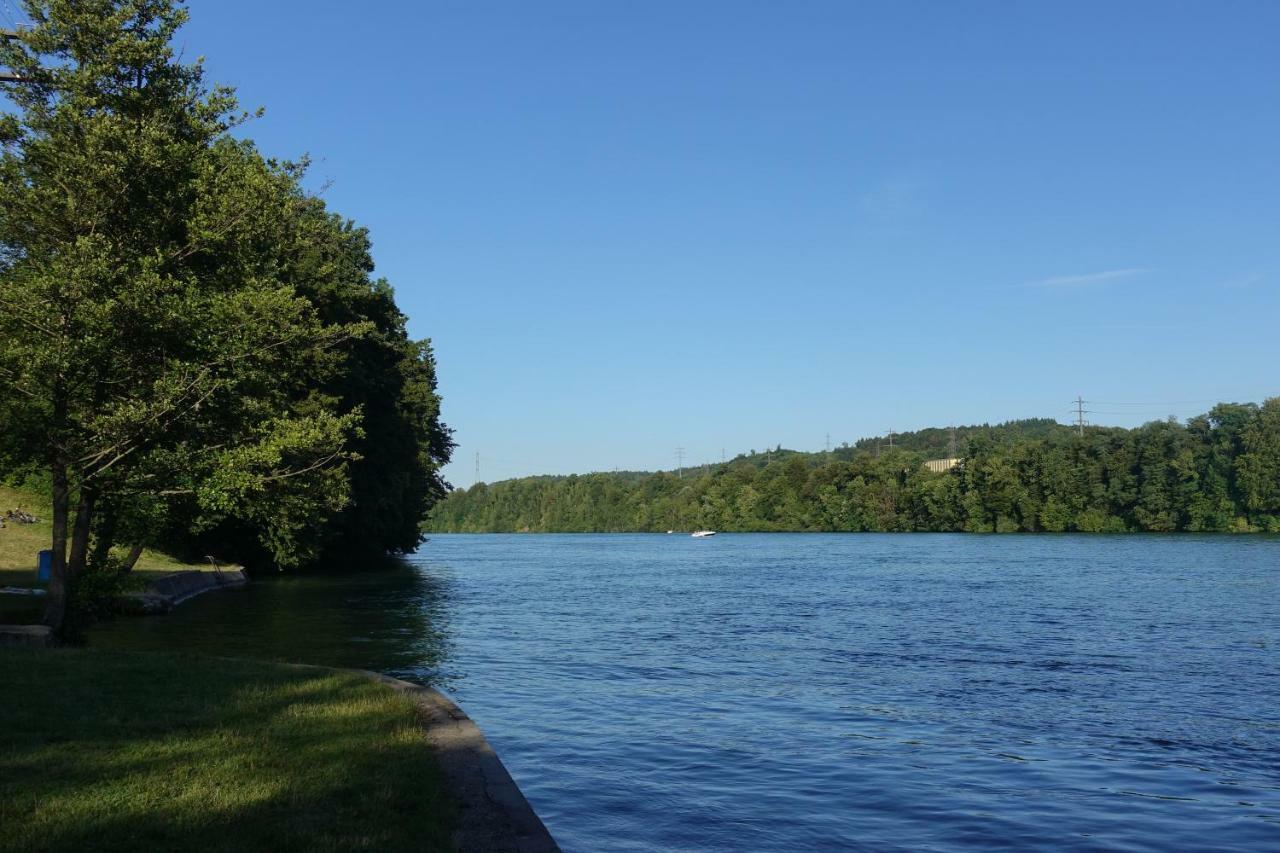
494, 816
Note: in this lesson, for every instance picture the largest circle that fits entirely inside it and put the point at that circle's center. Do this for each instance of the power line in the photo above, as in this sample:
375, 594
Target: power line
1157, 402
1080, 413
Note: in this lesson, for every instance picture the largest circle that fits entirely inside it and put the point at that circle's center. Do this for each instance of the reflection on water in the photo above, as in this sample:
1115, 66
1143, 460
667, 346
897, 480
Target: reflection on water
390, 619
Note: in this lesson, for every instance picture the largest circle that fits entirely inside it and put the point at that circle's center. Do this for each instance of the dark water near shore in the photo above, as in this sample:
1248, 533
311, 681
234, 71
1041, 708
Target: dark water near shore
811, 692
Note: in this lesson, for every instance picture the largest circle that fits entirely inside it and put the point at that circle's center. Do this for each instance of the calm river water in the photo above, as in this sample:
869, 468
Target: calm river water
812, 692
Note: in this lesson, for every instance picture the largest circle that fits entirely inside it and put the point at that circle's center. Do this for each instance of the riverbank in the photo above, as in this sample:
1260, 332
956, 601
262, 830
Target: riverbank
231, 755
155, 592
21, 542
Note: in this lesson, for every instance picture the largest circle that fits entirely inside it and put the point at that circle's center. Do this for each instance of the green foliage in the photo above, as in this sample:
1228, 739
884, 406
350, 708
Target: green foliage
1219, 472
385, 375
93, 595
286, 483
188, 340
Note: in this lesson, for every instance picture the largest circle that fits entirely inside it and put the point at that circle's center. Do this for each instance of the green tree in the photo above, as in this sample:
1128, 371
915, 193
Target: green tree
395, 470
148, 341
1258, 467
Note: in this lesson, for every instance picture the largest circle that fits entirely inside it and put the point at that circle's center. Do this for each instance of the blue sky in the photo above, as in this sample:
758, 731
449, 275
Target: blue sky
631, 226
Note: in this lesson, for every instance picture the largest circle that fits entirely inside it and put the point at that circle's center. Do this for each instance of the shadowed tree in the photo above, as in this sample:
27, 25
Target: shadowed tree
149, 343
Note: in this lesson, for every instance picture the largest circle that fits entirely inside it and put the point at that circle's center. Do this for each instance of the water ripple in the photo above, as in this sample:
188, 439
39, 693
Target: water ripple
791, 692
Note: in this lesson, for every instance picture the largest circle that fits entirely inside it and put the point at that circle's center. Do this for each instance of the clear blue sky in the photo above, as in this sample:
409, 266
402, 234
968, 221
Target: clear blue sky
635, 226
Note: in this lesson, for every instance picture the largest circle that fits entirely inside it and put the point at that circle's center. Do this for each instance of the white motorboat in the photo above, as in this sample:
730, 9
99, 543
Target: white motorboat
702, 534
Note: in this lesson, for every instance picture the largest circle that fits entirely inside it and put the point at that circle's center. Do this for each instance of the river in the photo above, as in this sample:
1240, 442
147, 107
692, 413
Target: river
795, 692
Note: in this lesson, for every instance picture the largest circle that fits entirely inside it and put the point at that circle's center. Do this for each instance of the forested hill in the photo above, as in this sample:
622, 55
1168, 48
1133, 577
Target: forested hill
932, 443
1216, 472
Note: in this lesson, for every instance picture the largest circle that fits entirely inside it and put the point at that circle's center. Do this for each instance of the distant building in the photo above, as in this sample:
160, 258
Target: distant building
941, 466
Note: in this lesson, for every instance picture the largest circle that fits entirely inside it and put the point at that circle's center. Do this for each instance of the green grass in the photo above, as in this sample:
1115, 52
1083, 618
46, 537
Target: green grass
123, 751
19, 544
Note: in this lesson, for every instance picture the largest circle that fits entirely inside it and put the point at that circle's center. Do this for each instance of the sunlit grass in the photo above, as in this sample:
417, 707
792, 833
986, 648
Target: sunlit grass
148, 751
20, 543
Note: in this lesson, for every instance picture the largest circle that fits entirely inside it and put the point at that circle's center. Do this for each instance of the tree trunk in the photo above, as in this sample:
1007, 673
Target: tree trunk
80, 532
55, 608
132, 560
105, 533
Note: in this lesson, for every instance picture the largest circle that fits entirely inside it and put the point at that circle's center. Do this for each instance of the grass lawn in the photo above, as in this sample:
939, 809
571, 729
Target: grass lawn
156, 751
19, 544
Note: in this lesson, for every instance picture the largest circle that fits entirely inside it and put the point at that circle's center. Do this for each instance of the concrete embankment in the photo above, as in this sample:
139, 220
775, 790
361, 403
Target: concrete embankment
33, 636
494, 816
163, 593
160, 596
180, 586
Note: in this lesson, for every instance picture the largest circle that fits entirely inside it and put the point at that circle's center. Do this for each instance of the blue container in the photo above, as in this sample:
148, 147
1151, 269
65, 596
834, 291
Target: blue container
44, 566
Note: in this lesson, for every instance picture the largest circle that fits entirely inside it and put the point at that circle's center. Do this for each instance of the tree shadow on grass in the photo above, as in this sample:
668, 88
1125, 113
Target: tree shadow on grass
146, 751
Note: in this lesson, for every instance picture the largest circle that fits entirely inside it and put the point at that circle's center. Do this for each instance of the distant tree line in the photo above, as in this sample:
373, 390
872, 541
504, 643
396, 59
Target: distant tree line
193, 350
1216, 472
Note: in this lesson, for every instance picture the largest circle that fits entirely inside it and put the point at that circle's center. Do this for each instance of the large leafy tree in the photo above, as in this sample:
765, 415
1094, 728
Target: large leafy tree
151, 344
385, 374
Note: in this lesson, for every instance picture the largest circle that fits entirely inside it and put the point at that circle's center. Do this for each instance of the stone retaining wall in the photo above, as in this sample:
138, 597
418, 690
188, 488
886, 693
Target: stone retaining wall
180, 586
163, 593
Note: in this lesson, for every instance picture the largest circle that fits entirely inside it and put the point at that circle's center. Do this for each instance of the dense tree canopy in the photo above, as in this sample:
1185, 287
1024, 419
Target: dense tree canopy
1217, 472
382, 374
189, 342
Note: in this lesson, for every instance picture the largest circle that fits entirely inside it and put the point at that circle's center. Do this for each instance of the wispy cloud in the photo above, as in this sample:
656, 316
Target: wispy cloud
1243, 282
1104, 277
1139, 327
893, 202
